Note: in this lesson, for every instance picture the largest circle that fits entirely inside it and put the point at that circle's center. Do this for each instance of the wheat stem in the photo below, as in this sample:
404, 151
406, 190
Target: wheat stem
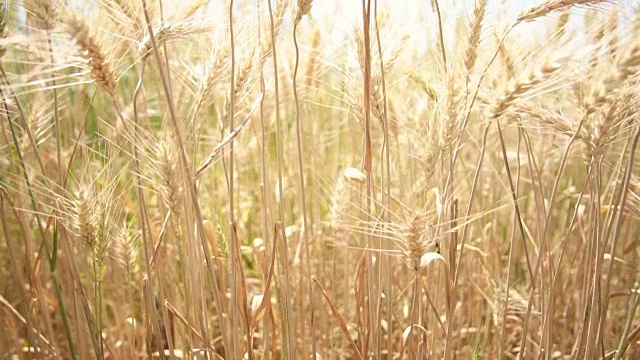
285, 292
304, 6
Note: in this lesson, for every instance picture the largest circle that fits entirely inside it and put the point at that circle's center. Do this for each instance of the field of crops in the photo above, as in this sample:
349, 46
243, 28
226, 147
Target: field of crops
319, 180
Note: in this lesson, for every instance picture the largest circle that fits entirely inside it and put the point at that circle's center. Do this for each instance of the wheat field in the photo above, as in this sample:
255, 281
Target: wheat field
273, 180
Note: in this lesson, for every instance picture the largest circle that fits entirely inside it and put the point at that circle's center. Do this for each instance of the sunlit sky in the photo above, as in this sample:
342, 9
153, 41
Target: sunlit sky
406, 16
350, 11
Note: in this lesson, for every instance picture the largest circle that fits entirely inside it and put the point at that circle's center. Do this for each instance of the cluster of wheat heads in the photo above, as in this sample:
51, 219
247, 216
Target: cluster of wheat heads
264, 180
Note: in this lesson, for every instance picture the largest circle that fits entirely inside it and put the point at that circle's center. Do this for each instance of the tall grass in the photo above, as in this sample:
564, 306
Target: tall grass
226, 180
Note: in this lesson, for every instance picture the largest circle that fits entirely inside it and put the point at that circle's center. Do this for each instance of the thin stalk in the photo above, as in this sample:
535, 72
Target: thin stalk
618, 226
563, 162
18, 275
306, 225
474, 186
543, 248
164, 46
584, 290
186, 169
267, 320
596, 292
56, 112
457, 147
182, 258
97, 303
287, 323
56, 117
23, 115
33, 283
265, 216
514, 199
511, 247
374, 298
146, 241
235, 247
530, 301
414, 317
624, 337
95, 334
563, 248
457, 151
49, 254
532, 274
385, 189
440, 33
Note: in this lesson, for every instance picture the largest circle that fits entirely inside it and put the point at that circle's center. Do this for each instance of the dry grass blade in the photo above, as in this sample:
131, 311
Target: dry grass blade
265, 302
175, 312
339, 318
15, 313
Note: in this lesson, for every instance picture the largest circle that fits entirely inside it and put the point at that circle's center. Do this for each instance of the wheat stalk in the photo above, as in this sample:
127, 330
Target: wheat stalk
267, 45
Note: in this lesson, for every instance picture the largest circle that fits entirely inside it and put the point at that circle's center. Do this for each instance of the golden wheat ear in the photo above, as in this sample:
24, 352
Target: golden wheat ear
304, 6
171, 191
609, 86
550, 6
521, 86
473, 44
416, 241
41, 14
90, 50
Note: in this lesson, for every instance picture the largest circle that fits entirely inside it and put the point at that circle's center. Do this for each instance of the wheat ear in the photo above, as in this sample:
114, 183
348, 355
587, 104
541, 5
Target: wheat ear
91, 51
550, 6
473, 44
41, 13
520, 86
304, 6
608, 87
